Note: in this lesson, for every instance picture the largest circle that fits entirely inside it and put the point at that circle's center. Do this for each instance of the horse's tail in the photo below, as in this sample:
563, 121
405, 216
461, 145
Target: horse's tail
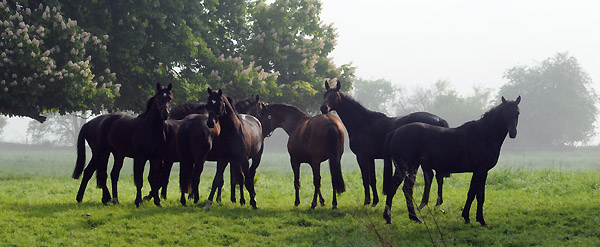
387, 164
80, 163
335, 154
186, 163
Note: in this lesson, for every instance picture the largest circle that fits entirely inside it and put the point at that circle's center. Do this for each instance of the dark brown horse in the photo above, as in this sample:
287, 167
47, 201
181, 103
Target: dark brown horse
240, 139
367, 130
97, 133
311, 140
472, 147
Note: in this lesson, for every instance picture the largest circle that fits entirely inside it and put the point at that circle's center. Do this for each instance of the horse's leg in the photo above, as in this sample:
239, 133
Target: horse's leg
363, 163
197, 171
440, 181
101, 176
185, 167
470, 196
232, 183
316, 169
428, 176
373, 181
395, 182
221, 164
296, 170
87, 174
154, 179
249, 182
481, 199
240, 181
408, 194
165, 174
114, 176
138, 178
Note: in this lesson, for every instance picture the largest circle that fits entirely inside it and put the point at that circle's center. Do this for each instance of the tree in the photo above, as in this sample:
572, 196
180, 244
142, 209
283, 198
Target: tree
457, 109
60, 130
559, 104
377, 95
46, 64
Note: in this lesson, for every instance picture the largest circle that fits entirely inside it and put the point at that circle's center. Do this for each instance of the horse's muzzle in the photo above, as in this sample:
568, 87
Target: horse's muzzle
512, 133
324, 109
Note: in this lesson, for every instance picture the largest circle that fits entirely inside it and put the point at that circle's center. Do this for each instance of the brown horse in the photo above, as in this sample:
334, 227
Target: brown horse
240, 139
97, 132
472, 147
311, 140
367, 129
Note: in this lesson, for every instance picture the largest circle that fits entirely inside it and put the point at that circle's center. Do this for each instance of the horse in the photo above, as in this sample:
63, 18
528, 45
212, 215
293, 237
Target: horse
240, 139
96, 132
367, 129
472, 147
311, 140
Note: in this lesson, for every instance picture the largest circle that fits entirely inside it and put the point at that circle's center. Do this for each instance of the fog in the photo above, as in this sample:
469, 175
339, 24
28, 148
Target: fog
465, 42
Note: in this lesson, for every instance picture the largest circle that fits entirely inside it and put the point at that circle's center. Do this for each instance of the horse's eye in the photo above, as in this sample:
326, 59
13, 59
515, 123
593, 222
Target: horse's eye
269, 117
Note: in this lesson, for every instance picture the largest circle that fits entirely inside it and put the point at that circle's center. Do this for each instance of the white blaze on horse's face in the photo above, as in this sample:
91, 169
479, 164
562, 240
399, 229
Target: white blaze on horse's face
214, 101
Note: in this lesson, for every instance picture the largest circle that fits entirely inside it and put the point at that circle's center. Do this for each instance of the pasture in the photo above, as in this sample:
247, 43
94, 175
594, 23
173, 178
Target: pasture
537, 198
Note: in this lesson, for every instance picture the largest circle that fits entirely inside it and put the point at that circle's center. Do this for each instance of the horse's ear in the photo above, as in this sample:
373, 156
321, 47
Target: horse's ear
503, 100
326, 85
257, 98
338, 85
209, 91
220, 92
158, 86
518, 100
170, 86
230, 100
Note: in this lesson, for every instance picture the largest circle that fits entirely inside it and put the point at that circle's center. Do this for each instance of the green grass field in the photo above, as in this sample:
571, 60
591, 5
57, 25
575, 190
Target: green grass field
543, 199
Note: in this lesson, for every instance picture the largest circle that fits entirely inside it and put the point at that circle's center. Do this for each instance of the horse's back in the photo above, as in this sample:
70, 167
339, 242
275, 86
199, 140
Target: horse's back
252, 129
311, 138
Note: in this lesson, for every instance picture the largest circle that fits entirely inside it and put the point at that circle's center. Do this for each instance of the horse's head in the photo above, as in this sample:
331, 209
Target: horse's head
162, 100
215, 106
250, 106
510, 113
265, 116
331, 98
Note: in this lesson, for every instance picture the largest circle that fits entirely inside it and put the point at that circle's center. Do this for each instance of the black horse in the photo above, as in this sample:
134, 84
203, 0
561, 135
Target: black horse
367, 130
96, 131
240, 139
472, 147
102, 139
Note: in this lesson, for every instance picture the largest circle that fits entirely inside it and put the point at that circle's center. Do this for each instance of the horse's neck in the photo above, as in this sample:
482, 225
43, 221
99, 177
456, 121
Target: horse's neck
352, 114
231, 120
151, 116
492, 132
289, 120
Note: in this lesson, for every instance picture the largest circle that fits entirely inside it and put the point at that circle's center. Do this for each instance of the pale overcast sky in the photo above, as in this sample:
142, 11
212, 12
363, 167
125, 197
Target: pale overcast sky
466, 42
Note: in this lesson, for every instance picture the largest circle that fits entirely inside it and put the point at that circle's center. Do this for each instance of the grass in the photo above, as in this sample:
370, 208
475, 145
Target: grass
530, 201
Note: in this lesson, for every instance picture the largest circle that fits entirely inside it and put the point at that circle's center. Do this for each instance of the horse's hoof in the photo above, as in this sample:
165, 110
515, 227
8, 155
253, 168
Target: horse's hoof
387, 215
367, 202
242, 202
79, 198
183, 201
296, 203
207, 206
415, 219
115, 201
467, 220
253, 204
375, 201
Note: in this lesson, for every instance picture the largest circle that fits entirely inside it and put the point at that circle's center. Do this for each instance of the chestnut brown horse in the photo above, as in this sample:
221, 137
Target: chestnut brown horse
367, 130
124, 136
472, 147
240, 139
311, 140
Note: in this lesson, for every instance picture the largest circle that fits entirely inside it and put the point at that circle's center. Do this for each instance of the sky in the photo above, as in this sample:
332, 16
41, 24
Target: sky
469, 43
465, 42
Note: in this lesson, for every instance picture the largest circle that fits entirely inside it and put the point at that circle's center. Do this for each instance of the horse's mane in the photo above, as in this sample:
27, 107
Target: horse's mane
148, 106
490, 115
357, 105
292, 108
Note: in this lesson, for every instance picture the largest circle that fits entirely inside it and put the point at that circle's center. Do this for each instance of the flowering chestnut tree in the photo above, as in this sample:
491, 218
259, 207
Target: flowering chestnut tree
45, 63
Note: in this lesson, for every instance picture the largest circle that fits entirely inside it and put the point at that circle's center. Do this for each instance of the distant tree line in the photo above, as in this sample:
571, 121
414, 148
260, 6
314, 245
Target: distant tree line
558, 107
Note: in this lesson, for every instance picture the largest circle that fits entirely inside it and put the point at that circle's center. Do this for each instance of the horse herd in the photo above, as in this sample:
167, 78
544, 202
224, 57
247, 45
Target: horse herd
193, 133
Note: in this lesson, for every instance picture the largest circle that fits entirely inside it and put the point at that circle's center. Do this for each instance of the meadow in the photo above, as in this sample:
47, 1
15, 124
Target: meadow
532, 199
